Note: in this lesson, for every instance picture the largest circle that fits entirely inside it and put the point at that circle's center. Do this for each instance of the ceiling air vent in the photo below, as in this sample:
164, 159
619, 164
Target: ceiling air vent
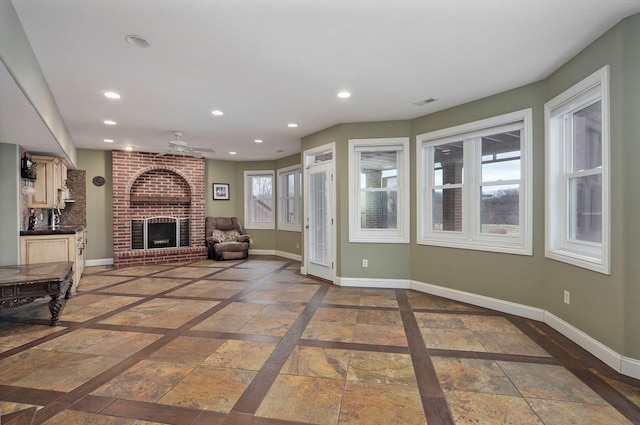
424, 102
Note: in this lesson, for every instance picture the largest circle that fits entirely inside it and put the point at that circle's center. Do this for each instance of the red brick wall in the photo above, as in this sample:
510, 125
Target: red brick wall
169, 176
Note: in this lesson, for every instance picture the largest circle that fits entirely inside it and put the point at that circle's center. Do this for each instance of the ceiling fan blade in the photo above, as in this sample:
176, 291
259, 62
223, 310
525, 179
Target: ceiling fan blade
204, 150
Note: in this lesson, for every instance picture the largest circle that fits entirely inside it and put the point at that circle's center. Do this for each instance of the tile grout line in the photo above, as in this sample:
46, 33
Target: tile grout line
73, 396
256, 391
434, 402
574, 365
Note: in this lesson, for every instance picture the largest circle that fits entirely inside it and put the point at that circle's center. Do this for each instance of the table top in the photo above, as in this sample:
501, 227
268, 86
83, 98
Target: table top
29, 273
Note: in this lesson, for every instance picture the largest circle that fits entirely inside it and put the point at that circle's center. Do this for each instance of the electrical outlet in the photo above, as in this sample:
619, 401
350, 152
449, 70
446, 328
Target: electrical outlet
297, 246
567, 297
365, 263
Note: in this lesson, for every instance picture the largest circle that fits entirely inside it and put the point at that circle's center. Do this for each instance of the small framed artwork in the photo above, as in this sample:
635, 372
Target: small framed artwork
221, 191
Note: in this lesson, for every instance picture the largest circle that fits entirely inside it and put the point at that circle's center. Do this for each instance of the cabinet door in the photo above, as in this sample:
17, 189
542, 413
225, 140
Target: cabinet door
45, 190
44, 249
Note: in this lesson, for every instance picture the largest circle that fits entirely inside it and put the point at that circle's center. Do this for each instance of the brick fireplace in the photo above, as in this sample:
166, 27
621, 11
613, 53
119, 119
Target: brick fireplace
157, 189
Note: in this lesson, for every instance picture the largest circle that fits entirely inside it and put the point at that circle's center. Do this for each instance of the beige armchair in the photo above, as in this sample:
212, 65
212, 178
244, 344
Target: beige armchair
225, 238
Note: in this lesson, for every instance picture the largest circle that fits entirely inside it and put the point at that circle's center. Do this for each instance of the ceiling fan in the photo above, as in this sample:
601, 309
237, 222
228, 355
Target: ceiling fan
180, 147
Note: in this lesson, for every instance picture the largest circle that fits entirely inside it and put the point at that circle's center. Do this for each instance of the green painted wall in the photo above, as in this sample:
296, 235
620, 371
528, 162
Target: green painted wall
9, 207
262, 238
386, 261
597, 300
99, 203
515, 278
630, 188
217, 171
288, 241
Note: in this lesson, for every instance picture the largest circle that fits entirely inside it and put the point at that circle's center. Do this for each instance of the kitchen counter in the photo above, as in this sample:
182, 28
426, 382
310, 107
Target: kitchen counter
48, 230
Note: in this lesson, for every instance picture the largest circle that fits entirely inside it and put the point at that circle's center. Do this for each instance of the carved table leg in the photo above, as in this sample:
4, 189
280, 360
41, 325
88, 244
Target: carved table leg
55, 306
68, 295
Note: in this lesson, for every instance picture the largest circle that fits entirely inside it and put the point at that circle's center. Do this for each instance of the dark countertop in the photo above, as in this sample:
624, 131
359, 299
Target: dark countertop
48, 230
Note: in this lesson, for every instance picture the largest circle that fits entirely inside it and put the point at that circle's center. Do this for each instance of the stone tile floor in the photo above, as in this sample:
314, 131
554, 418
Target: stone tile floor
254, 342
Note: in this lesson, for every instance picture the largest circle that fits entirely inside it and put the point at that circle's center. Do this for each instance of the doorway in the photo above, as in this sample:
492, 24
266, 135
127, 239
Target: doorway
319, 208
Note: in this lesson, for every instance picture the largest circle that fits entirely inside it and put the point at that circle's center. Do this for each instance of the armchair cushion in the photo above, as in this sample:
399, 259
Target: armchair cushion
225, 235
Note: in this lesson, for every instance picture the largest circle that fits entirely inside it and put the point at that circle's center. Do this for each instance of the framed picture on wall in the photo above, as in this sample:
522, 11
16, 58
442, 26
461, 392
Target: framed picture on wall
221, 191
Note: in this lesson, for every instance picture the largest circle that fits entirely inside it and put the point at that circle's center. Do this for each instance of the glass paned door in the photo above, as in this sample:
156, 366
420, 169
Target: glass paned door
319, 222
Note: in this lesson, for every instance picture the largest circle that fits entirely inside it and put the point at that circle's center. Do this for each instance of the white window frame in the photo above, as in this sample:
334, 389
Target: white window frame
558, 245
401, 233
248, 204
471, 236
296, 226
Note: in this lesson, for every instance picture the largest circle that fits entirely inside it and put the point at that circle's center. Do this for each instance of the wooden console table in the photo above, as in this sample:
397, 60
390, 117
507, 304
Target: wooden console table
20, 285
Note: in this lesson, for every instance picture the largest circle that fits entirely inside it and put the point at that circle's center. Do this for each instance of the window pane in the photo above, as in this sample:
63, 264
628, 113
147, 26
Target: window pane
261, 186
378, 169
290, 188
448, 164
500, 209
447, 209
587, 138
289, 213
379, 210
261, 199
585, 220
501, 156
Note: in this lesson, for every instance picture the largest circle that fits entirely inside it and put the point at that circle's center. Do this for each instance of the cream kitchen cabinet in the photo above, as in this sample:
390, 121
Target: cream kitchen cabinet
45, 246
50, 184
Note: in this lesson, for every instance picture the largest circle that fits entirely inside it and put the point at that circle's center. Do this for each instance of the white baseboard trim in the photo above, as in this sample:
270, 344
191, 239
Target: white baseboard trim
630, 367
624, 365
284, 254
262, 251
99, 262
595, 347
359, 282
481, 300
289, 255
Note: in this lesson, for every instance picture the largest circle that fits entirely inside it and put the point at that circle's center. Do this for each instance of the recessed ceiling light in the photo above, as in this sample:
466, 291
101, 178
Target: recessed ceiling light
344, 94
128, 148
217, 112
111, 95
137, 40
232, 153
292, 125
108, 140
110, 122
258, 141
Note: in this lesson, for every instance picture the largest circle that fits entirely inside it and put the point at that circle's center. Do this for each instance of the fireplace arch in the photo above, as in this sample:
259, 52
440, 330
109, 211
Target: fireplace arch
146, 186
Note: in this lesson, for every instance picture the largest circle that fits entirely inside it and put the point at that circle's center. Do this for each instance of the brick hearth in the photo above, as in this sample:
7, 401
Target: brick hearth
145, 185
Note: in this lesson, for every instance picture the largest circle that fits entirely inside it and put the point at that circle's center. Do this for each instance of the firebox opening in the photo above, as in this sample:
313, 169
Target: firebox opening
161, 235
159, 232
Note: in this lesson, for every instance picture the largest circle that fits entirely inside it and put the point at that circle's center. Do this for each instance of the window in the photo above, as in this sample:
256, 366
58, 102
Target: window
379, 188
577, 192
258, 208
474, 185
290, 198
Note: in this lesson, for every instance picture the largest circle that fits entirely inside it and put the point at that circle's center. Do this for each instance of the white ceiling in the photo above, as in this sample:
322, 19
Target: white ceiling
267, 63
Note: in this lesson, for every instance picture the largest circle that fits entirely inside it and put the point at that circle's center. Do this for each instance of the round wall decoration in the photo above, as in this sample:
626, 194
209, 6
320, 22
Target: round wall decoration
98, 180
